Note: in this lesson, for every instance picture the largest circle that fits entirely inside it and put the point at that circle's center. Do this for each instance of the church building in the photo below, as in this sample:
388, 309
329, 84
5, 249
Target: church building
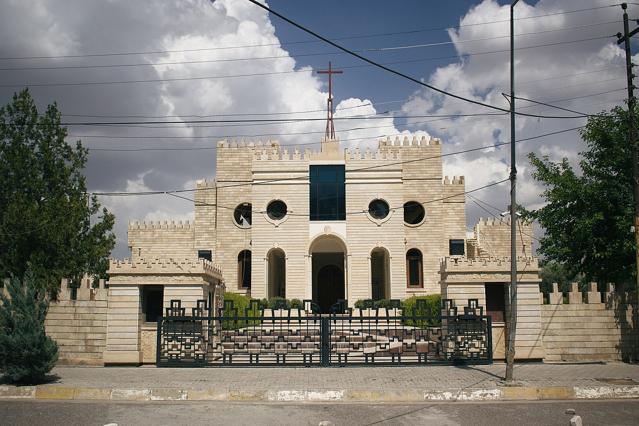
327, 225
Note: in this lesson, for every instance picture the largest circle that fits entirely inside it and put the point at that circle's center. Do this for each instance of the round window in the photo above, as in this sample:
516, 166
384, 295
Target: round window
413, 212
378, 209
242, 215
276, 210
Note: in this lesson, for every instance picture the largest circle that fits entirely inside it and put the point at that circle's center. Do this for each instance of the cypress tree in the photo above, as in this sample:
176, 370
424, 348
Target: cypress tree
27, 354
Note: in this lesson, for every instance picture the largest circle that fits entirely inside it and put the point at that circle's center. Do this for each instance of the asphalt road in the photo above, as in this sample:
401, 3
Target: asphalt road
235, 413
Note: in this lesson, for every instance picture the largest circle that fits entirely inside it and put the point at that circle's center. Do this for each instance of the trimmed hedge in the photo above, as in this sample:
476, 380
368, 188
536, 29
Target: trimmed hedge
429, 308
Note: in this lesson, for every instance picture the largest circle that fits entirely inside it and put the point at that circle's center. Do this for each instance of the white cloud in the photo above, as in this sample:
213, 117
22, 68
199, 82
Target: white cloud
583, 68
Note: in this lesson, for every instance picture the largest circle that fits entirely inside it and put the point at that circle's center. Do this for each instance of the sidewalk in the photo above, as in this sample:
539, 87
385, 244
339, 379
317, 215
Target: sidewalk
535, 381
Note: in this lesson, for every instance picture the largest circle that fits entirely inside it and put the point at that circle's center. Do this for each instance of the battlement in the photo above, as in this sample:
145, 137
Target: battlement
187, 225
576, 297
368, 154
407, 141
203, 183
277, 153
163, 266
488, 264
456, 180
242, 144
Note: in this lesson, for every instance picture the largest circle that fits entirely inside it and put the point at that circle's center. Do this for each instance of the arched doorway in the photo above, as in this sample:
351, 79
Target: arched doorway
328, 253
330, 280
380, 274
276, 273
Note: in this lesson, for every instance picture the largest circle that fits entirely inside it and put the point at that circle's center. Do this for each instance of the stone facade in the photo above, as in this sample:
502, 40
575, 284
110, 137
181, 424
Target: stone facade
399, 171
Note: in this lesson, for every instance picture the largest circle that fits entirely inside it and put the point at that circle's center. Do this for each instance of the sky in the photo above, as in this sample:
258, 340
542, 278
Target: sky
118, 60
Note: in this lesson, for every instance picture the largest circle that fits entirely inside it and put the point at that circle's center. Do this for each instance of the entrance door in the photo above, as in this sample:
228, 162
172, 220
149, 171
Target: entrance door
330, 283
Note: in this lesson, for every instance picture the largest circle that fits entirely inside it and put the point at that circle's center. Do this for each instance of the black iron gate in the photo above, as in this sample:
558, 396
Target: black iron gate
304, 337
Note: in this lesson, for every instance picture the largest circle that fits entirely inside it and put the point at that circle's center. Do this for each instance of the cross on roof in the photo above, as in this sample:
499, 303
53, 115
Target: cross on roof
330, 128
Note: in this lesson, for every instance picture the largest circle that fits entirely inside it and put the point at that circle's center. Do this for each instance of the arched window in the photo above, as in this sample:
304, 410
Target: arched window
244, 269
414, 268
380, 274
276, 273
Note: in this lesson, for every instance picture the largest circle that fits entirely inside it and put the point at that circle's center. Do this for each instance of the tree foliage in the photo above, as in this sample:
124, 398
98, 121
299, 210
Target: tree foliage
47, 219
27, 354
589, 212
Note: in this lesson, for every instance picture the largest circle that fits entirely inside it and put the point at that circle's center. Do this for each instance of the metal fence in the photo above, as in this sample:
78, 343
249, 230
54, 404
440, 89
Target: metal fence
304, 337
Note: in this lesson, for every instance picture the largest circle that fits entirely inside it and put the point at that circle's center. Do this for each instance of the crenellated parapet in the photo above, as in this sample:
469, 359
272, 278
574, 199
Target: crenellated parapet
574, 296
461, 269
205, 184
164, 266
408, 141
242, 144
454, 189
277, 153
368, 154
462, 264
492, 236
172, 225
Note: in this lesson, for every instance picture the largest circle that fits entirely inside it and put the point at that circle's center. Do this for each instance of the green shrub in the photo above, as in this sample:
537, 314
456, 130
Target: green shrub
27, 354
381, 303
296, 304
431, 308
278, 303
245, 306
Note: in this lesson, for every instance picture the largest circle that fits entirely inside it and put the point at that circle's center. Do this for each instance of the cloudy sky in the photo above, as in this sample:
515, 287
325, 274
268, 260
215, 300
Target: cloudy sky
179, 61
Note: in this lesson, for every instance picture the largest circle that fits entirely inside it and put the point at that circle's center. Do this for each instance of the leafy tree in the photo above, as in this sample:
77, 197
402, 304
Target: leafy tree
27, 354
47, 219
588, 215
553, 272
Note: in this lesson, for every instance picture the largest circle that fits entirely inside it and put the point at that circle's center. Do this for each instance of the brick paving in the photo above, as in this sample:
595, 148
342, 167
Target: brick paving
435, 378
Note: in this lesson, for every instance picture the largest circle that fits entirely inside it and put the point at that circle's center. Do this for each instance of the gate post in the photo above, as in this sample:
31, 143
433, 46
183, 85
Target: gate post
325, 341
158, 349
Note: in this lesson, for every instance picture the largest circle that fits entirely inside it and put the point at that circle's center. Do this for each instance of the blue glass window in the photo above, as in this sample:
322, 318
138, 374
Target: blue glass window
328, 193
456, 247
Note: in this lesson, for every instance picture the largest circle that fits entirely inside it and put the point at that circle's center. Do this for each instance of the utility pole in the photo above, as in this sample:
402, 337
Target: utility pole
512, 323
632, 141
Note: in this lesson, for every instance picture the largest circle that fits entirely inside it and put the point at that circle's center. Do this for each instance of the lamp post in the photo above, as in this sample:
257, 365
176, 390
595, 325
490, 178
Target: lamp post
512, 323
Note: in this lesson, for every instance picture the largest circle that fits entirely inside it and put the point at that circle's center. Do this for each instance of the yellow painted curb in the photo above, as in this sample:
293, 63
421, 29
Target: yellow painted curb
92, 393
520, 393
54, 392
556, 393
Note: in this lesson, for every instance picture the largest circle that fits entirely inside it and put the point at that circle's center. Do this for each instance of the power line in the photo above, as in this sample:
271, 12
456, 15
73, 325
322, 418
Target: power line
302, 41
421, 83
267, 181
259, 74
374, 104
351, 213
288, 56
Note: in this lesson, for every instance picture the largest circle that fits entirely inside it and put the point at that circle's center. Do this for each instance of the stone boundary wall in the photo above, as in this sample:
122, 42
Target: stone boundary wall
79, 326
588, 326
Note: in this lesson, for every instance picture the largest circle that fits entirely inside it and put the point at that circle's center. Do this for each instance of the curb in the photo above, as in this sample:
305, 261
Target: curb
519, 393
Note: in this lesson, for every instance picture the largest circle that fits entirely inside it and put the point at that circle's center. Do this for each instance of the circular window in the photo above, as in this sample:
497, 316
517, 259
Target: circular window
242, 215
413, 213
276, 210
378, 209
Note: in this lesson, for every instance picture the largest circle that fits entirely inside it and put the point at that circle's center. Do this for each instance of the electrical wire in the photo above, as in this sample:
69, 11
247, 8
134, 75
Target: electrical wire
303, 41
268, 181
374, 104
376, 64
288, 56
